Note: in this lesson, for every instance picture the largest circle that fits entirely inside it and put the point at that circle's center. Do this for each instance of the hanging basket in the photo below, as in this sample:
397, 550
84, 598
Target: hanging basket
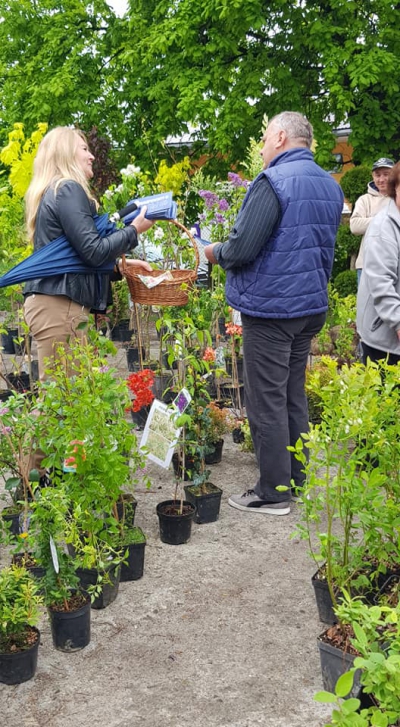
167, 292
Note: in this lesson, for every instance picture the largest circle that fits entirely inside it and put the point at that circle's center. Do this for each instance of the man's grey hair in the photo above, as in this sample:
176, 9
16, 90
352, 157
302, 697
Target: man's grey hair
296, 126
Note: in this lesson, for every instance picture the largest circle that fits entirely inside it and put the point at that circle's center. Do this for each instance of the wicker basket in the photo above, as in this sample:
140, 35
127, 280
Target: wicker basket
168, 292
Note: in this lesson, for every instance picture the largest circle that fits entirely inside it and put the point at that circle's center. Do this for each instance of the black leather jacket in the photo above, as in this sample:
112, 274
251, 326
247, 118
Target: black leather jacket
70, 213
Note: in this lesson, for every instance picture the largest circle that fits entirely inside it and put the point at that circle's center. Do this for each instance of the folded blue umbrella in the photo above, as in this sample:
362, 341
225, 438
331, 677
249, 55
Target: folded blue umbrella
57, 258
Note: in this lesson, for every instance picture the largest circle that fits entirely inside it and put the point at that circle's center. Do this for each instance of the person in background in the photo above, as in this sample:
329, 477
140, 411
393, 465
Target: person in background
59, 202
278, 260
368, 205
378, 297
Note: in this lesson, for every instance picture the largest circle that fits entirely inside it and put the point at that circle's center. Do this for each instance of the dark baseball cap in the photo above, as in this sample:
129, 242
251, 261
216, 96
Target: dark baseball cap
383, 162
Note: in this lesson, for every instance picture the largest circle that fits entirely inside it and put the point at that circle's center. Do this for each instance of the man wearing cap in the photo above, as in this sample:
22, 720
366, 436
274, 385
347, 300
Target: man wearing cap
369, 204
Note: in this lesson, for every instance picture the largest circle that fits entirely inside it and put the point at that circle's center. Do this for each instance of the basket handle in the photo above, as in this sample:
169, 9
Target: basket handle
191, 238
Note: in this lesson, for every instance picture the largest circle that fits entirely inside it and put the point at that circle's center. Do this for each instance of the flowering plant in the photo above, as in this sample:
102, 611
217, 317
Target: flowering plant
222, 201
209, 354
235, 331
140, 384
220, 421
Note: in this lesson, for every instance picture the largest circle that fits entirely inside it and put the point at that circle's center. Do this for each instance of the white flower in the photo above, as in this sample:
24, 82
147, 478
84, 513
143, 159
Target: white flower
108, 193
120, 188
130, 171
158, 233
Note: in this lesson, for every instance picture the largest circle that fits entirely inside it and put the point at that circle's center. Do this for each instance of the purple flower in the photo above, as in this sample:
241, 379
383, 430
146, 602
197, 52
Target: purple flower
219, 219
104, 369
210, 198
4, 410
236, 180
223, 205
5, 430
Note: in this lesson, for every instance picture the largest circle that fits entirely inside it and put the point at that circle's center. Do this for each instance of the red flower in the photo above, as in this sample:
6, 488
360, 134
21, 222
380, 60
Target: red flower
209, 354
233, 330
140, 384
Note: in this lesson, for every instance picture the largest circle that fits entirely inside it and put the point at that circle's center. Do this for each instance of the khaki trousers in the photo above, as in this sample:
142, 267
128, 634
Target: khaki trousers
53, 319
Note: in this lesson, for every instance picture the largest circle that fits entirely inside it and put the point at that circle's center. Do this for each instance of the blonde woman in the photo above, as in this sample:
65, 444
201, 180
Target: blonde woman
59, 202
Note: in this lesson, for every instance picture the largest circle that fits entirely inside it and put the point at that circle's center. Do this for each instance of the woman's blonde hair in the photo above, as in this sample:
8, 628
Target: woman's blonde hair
54, 163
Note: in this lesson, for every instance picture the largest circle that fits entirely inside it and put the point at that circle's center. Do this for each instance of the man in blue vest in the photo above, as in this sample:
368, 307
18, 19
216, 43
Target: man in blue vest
278, 260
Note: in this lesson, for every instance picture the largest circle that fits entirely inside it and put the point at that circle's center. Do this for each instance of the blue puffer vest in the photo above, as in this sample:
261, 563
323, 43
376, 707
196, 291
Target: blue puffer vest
289, 277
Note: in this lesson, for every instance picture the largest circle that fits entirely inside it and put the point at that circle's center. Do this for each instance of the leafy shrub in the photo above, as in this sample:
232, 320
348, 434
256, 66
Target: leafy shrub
354, 182
346, 283
346, 245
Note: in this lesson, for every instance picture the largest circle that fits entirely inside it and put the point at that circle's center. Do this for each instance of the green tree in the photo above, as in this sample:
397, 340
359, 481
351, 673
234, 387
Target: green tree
218, 66
221, 65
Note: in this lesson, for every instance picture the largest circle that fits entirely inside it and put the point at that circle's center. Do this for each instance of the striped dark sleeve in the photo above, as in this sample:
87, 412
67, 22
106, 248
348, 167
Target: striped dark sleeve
253, 227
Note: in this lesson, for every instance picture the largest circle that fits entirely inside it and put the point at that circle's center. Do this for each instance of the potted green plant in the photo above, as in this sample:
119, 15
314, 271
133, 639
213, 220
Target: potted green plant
349, 499
368, 693
120, 315
19, 434
20, 603
67, 603
90, 455
175, 518
220, 422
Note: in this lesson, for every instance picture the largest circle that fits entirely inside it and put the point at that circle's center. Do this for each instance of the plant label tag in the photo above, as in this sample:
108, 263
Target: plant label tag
220, 357
182, 401
54, 555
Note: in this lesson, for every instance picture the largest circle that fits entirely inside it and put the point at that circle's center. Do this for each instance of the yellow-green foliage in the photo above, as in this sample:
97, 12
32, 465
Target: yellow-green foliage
19, 155
173, 178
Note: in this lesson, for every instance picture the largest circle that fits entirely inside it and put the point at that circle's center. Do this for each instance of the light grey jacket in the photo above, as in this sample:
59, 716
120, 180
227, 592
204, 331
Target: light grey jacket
378, 297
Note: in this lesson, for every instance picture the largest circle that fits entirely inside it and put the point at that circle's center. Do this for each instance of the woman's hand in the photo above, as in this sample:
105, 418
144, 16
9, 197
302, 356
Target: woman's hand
139, 266
140, 223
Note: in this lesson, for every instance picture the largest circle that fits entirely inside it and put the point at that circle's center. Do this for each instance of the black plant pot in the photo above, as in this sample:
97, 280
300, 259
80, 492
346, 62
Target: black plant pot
237, 435
7, 341
133, 359
21, 348
323, 599
12, 518
132, 567
239, 366
207, 504
175, 528
109, 588
139, 418
126, 508
70, 629
20, 382
36, 570
121, 332
35, 370
230, 393
388, 593
162, 382
20, 666
215, 456
5, 394
334, 663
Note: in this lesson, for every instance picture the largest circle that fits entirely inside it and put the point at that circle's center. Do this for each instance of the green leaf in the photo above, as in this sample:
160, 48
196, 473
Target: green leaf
327, 697
344, 684
11, 483
351, 705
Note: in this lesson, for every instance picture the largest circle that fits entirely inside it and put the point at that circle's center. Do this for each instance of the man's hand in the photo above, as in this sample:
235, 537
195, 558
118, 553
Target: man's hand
209, 253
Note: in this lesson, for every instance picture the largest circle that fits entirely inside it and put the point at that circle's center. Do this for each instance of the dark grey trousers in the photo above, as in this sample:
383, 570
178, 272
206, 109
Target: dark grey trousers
275, 358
